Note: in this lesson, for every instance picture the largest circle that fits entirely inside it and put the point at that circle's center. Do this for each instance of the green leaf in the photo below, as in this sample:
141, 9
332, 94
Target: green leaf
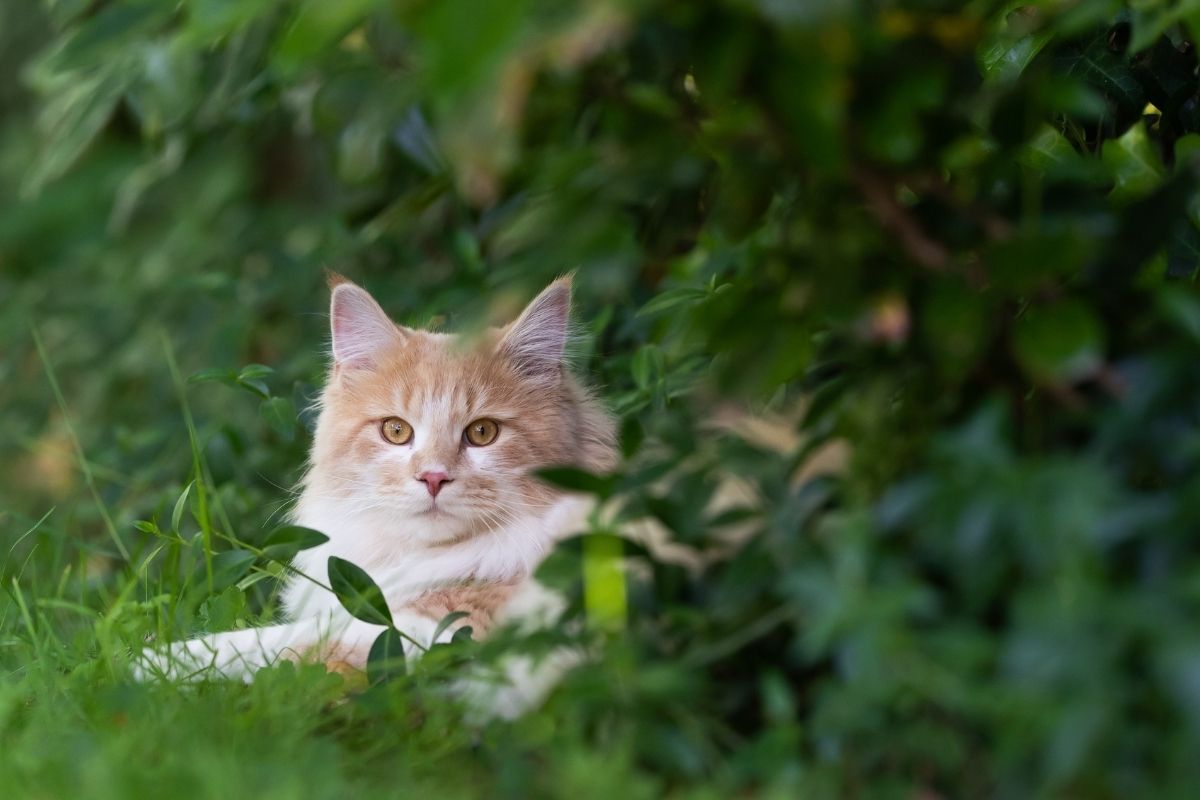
647, 366
578, 480
386, 660
317, 25
447, 621
632, 434
605, 594
1063, 342
72, 118
213, 374
222, 610
109, 31
1182, 309
1187, 149
1134, 164
671, 298
180, 504
251, 378
1006, 58
257, 576
1150, 20
254, 371
283, 543
357, 593
228, 568
1108, 72
280, 414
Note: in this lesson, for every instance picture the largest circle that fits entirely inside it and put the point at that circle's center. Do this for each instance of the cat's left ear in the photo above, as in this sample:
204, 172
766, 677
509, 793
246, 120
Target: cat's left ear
536, 342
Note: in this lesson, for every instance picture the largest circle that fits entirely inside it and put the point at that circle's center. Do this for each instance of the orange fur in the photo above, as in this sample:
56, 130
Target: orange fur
541, 423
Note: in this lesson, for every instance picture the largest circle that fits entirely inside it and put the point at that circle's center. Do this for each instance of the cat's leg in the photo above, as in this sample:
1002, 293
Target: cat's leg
338, 640
519, 682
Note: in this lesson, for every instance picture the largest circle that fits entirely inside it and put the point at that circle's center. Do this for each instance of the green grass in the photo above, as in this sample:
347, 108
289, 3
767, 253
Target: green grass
955, 242
75, 723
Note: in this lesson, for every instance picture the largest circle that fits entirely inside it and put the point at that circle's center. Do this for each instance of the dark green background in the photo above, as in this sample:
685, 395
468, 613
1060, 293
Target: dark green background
954, 242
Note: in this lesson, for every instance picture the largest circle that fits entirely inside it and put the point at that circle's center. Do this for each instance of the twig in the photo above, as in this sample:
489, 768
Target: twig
916, 243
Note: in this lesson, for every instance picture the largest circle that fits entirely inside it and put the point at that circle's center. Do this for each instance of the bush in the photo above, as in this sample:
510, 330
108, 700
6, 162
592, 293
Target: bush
947, 251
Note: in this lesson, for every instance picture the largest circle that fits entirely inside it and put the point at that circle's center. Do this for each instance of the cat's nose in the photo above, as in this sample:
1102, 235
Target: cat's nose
433, 481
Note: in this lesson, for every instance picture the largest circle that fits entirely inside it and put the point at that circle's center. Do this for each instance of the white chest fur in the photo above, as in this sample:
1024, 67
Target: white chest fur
398, 557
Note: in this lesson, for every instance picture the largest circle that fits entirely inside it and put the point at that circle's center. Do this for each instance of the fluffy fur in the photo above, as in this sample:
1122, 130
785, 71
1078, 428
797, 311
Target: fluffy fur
473, 546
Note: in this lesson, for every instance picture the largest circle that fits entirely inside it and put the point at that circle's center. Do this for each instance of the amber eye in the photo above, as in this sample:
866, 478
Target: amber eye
482, 432
396, 430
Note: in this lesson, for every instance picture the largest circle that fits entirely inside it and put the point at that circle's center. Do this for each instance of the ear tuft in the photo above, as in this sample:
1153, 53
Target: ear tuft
360, 328
535, 343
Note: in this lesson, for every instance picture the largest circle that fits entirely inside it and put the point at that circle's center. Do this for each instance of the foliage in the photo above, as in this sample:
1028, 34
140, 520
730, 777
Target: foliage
947, 249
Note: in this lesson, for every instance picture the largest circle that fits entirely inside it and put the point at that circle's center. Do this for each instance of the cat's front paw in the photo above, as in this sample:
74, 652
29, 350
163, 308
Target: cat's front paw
177, 661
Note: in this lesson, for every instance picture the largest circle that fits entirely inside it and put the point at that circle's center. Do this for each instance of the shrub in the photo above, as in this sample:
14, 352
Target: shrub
950, 247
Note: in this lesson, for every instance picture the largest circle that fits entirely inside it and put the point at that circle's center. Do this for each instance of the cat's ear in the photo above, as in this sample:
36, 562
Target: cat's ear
536, 342
359, 327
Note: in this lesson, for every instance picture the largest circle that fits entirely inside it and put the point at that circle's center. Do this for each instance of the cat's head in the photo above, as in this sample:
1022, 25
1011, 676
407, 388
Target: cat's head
440, 432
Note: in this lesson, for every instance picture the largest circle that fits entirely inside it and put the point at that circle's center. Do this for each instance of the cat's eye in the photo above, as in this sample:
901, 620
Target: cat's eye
396, 430
482, 432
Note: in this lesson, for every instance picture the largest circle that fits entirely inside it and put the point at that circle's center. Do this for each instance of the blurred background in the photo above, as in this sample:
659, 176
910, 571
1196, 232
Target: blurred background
916, 277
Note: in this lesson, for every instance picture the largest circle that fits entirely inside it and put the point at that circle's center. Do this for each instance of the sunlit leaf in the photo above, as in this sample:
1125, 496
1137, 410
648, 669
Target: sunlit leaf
180, 505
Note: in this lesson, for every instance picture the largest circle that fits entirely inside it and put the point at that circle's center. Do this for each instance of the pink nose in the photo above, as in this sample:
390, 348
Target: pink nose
433, 481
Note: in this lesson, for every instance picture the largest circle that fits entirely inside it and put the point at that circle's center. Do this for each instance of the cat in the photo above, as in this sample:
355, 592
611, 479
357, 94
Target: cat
420, 474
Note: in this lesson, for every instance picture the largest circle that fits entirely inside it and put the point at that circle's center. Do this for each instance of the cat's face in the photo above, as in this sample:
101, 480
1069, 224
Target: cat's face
441, 434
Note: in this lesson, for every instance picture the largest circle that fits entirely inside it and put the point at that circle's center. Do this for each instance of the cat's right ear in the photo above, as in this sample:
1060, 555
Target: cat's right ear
361, 330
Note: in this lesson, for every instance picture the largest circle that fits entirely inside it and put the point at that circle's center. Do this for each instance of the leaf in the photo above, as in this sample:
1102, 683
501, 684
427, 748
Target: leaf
254, 371
255, 386
284, 542
1063, 342
631, 437
1181, 307
671, 298
447, 621
1187, 149
69, 122
257, 576
463, 634
1109, 73
180, 504
386, 660
1183, 251
251, 377
228, 568
213, 374
317, 25
357, 593
107, 31
280, 414
1006, 58
604, 582
647, 366
222, 610
1151, 20
1133, 162
578, 480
